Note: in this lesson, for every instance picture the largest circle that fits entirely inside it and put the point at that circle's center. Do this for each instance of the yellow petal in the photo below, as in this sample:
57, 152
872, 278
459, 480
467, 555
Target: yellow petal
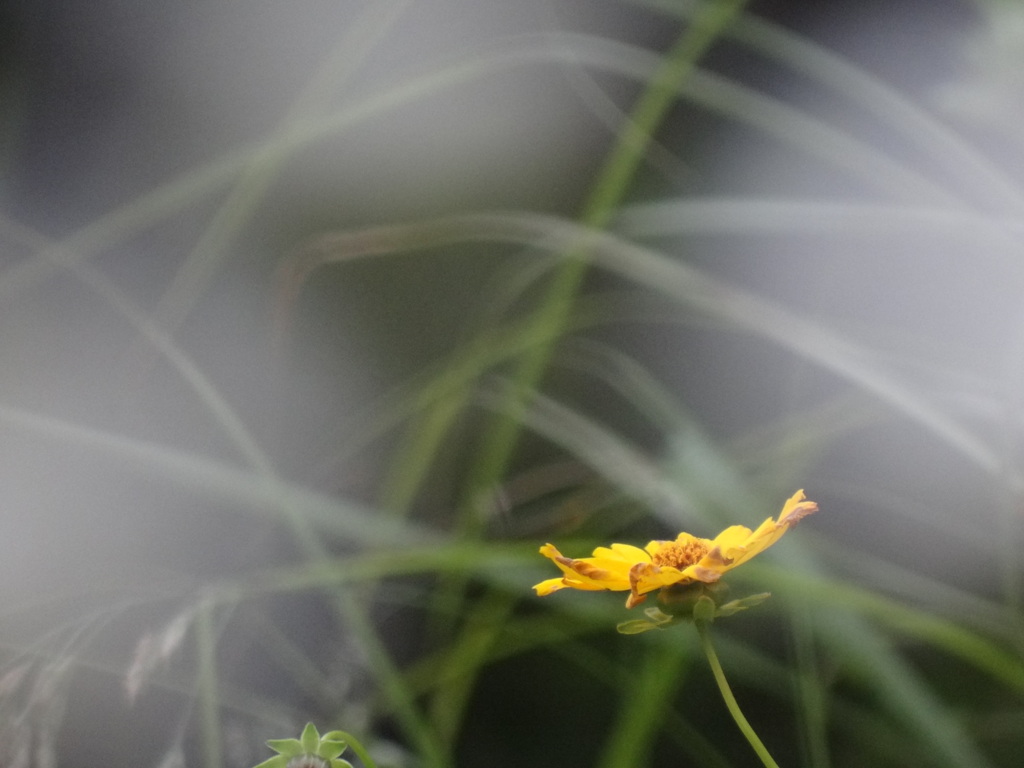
699, 572
590, 573
549, 586
605, 574
548, 550
629, 553
730, 541
796, 509
647, 577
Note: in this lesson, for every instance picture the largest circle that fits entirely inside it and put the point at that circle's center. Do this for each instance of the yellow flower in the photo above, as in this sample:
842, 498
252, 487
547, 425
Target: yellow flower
687, 559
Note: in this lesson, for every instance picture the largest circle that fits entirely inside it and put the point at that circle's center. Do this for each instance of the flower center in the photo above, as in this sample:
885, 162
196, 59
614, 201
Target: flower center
680, 555
307, 761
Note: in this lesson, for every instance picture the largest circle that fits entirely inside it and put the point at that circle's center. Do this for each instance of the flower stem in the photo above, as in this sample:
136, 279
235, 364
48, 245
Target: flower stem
730, 700
356, 747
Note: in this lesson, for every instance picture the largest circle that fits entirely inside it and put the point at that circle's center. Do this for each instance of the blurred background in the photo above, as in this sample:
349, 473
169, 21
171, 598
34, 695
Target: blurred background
304, 352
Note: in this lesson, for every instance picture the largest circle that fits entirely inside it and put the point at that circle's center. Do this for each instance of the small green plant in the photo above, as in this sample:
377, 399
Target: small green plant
311, 750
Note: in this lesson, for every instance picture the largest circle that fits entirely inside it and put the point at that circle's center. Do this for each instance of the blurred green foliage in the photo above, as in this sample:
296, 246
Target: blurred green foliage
317, 320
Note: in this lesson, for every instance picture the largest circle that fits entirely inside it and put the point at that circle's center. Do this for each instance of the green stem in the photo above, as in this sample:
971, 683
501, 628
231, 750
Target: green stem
730, 700
356, 747
209, 699
552, 316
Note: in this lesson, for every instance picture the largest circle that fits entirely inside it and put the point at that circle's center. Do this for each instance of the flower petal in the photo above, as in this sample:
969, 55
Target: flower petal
611, 572
767, 534
647, 577
628, 553
796, 509
549, 586
731, 539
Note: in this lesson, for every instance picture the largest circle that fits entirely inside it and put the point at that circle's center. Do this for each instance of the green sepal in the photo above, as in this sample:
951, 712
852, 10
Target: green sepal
704, 609
289, 747
635, 627
330, 749
658, 620
657, 615
681, 599
277, 761
734, 606
310, 740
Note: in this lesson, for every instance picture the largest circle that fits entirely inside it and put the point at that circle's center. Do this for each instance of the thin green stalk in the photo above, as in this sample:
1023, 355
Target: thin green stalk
394, 688
730, 700
468, 654
643, 712
206, 683
212, 249
357, 747
810, 691
612, 185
